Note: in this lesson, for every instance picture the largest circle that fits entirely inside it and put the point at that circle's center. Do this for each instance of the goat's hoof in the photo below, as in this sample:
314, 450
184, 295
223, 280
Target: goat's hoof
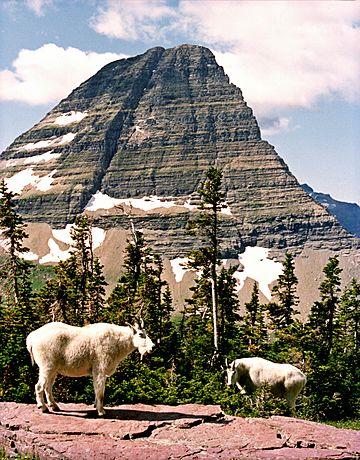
55, 408
44, 409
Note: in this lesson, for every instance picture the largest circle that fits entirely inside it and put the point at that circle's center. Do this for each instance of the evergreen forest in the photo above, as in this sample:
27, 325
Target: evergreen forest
187, 365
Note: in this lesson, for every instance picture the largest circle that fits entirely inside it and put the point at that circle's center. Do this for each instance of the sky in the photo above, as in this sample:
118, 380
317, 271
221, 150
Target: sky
296, 62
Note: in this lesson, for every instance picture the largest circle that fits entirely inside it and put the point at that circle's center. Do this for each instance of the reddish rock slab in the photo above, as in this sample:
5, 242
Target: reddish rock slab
162, 432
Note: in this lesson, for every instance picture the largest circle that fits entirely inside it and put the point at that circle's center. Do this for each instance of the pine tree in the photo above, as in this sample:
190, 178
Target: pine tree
206, 259
13, 232
142, 291
229, 306
76, 293
323, 312
254, 327
282, 313
348, 320
17, 313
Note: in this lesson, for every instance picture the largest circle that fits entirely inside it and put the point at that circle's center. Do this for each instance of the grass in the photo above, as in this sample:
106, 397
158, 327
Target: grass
40, 274
347, 424
5, 456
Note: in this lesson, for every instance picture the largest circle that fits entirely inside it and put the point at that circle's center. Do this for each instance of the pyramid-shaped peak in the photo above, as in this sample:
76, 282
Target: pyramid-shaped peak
150, 126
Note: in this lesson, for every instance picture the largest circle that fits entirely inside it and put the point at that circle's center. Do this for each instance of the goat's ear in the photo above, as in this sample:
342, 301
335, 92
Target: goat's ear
226, 362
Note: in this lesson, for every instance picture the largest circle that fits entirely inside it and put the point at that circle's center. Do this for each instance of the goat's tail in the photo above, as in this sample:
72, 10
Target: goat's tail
29, 347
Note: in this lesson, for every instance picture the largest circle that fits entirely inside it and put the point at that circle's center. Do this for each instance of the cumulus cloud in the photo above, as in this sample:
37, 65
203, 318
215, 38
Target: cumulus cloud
282, 54
49, 73
38, 5
133, 20
271, 126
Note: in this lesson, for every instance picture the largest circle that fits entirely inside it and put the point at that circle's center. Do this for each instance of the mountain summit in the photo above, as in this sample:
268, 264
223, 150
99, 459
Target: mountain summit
138, 137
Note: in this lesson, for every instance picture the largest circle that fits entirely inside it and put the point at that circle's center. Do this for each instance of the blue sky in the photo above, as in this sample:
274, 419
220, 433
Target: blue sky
297, 63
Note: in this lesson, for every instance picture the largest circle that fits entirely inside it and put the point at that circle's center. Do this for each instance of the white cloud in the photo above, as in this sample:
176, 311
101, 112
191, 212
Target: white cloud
271, 126
282, 54
133, 20
49, 73
38, 5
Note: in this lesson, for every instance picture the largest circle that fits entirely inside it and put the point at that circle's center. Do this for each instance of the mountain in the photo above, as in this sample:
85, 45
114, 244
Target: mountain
137, 139
348, 214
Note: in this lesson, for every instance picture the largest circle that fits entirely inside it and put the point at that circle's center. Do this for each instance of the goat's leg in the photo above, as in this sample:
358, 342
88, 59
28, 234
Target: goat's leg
291, 398
99, 380
49, 394
39, 392
240, 388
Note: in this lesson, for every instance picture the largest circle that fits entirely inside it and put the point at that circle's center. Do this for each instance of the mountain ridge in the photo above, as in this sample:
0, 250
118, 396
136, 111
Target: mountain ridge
347, 213
140, 135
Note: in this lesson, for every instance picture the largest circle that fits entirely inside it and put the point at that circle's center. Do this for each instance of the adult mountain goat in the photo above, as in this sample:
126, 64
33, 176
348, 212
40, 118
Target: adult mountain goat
283, 380
96, 350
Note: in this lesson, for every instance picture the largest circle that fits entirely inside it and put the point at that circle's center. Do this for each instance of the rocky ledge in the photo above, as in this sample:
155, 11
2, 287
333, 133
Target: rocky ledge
167, 432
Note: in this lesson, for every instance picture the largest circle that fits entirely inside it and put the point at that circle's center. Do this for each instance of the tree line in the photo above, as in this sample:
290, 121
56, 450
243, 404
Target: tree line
191, 347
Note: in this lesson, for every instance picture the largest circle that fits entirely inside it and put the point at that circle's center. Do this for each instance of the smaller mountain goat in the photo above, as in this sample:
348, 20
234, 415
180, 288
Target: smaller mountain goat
283, 380
96, 350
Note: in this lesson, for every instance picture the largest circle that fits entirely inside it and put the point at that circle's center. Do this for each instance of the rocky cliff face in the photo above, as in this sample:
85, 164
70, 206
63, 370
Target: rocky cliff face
159, 432
138, 137
152, 125
348, 214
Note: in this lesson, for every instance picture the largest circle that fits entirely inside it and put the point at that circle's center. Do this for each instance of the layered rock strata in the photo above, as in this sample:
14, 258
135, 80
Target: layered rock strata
137, 139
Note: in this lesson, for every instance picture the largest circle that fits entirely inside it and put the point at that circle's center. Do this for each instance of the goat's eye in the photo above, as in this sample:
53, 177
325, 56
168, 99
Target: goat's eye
142, 335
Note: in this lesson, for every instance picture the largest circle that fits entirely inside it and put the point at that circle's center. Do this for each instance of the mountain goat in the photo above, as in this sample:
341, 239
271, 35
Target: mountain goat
283, 380
96, 350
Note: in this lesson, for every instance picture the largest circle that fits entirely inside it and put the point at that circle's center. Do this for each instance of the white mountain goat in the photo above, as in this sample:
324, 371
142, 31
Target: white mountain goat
283, 380
96, 350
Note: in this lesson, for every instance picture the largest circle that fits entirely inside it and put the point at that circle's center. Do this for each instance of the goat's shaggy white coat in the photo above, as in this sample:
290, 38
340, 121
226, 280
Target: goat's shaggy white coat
96, 350
283, 380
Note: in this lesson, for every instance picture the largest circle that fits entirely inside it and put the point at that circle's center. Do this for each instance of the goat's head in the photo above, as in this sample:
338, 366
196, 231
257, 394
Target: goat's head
141, 341
230, 373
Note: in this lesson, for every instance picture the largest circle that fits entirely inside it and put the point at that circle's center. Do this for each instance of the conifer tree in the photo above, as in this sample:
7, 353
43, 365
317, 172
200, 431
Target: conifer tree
254, 327
76, 293
323, 312
17, 314
228, 306
14, 268
141, 291
348, 320
206, 259
282, 313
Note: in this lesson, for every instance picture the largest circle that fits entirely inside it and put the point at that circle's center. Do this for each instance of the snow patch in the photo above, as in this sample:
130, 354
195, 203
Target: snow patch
29, 255
45, 157
147, 203
45, 183
177, 266
101, 201
22, 179
13, 162
65, 139
189, 206
258, 267
56, 254
226, 210
69, 117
